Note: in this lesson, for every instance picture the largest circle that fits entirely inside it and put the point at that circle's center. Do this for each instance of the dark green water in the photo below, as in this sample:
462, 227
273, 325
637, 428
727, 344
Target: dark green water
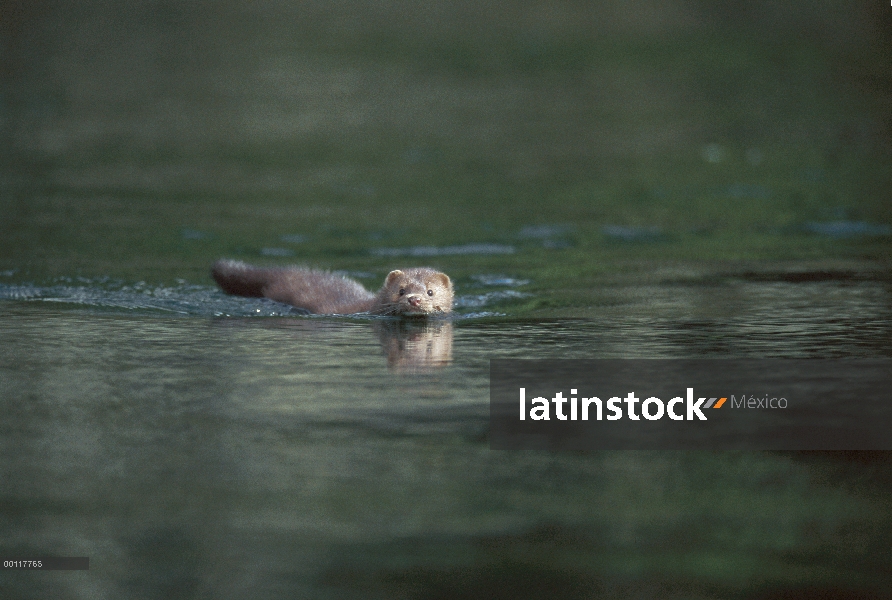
641, 181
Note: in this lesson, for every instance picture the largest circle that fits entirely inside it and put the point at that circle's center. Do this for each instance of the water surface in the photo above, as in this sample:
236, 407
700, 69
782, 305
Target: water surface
195, 455
599, 180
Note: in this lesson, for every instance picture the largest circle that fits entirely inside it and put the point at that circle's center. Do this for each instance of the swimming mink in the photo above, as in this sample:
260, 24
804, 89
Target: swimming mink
409, 292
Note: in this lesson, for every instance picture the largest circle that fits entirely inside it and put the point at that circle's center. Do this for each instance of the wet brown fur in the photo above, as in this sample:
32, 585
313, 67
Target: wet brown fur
327, 293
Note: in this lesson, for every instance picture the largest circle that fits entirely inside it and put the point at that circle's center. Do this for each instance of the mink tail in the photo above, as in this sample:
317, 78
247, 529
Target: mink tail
239, 279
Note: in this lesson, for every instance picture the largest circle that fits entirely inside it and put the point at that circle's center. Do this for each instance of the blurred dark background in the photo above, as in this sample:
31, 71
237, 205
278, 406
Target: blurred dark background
725, 130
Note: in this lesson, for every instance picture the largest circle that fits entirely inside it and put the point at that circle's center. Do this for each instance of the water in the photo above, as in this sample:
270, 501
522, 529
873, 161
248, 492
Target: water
664, 182
190, 454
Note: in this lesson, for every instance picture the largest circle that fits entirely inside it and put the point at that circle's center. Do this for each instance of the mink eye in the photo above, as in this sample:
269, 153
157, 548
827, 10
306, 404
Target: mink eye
402, 291
430, 292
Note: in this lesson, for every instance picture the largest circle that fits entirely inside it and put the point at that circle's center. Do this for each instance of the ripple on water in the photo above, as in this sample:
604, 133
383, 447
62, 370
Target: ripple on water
184, 299
194, 300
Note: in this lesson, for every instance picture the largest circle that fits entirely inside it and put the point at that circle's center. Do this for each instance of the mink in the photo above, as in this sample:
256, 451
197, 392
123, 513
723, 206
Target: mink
419, 291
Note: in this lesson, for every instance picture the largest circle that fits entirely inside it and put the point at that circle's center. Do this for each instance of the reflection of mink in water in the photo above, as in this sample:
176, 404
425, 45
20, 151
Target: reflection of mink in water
410, 292
415, 345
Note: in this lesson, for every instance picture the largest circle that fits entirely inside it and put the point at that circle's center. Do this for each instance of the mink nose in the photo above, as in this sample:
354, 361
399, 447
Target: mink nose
414, 300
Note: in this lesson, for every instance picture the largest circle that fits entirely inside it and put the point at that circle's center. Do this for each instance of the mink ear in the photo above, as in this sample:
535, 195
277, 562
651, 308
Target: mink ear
443, 278
393, 276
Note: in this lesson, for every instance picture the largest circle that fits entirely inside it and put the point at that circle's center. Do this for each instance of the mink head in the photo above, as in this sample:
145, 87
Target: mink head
415, 292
